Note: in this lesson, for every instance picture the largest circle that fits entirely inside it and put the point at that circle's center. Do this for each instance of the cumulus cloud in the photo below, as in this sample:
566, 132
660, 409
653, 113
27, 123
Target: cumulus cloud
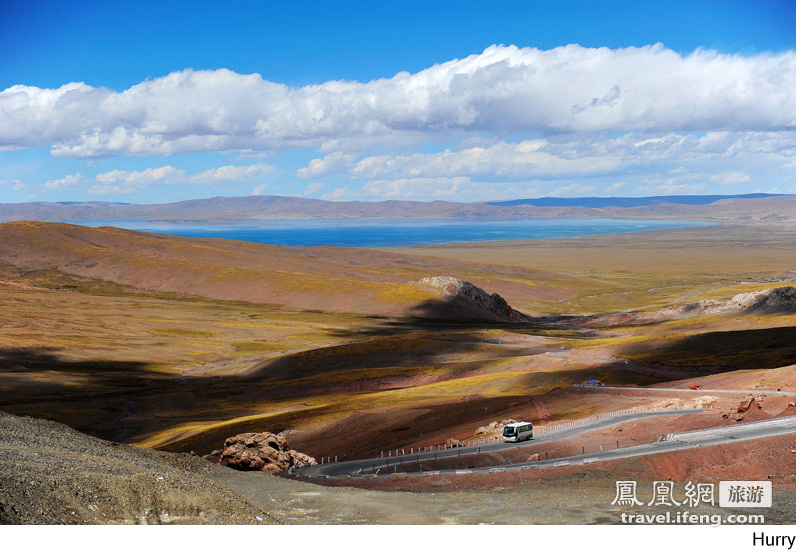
591, 155
527, 158
229, 173
333, 163
415, 188
126, 182
312, 188
161, 175
69, 181
572, 190
340, 194
504, 90
15, 184
731, 178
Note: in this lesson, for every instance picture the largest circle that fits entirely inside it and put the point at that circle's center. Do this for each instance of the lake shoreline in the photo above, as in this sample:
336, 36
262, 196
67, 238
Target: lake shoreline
399, 233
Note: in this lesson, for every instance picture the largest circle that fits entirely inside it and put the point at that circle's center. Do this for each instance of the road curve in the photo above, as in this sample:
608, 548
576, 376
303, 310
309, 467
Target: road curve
675, 442
702, 390
370, 465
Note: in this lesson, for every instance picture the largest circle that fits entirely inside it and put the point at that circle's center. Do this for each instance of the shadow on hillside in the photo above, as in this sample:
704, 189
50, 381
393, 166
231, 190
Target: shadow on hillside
47, 359
389, 349
462, 310
722, 351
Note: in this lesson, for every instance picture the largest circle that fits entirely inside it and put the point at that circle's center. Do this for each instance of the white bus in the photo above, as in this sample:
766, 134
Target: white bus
517, 431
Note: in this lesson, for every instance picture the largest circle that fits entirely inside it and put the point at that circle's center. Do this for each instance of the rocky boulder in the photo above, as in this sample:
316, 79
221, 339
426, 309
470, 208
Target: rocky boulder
782, 299
468, 301
263, 451
745, 405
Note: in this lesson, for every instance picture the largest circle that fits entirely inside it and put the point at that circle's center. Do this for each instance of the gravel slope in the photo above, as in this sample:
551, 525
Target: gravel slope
52, 474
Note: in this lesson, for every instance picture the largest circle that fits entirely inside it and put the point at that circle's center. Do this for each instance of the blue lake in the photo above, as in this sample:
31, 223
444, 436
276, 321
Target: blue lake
393, 232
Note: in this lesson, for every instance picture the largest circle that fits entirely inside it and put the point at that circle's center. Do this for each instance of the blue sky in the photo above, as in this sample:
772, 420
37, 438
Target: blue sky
163, 101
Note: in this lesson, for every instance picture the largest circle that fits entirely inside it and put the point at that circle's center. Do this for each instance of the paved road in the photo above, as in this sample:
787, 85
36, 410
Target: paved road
688, 390
675, 442
371, 465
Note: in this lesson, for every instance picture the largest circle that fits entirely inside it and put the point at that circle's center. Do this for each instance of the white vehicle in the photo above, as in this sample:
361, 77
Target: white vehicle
517, 431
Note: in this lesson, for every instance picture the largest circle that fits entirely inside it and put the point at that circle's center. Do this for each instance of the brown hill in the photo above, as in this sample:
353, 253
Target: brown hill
308, 278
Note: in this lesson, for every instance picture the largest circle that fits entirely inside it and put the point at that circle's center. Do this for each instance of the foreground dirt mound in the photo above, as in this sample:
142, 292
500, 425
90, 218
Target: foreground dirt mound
51, 474
472, 300
264, 451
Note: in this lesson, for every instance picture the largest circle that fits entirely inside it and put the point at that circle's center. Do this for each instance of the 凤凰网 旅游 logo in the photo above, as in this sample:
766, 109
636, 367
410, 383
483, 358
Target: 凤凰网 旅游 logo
669, 502
730, 494
745, 494
664, 494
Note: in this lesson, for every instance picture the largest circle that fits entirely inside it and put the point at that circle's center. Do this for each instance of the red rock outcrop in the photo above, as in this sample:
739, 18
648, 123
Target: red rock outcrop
745, 405
262, 451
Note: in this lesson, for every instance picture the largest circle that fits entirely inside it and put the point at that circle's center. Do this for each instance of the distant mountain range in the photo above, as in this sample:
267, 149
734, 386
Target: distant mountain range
627, 202
285, 207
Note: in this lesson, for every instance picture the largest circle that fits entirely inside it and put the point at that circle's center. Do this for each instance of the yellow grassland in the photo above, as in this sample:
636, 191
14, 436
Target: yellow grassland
73, 347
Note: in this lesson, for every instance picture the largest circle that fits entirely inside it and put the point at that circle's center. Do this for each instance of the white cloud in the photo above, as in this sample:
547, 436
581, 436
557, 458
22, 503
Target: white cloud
333, 163
15, 184
114, 189
528, 158
126, 182
415, 188
161, 175
230, 173
572, 190
69, 181
504, 90
589, 155
312, 188
258, 190
340, 194
731, 178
